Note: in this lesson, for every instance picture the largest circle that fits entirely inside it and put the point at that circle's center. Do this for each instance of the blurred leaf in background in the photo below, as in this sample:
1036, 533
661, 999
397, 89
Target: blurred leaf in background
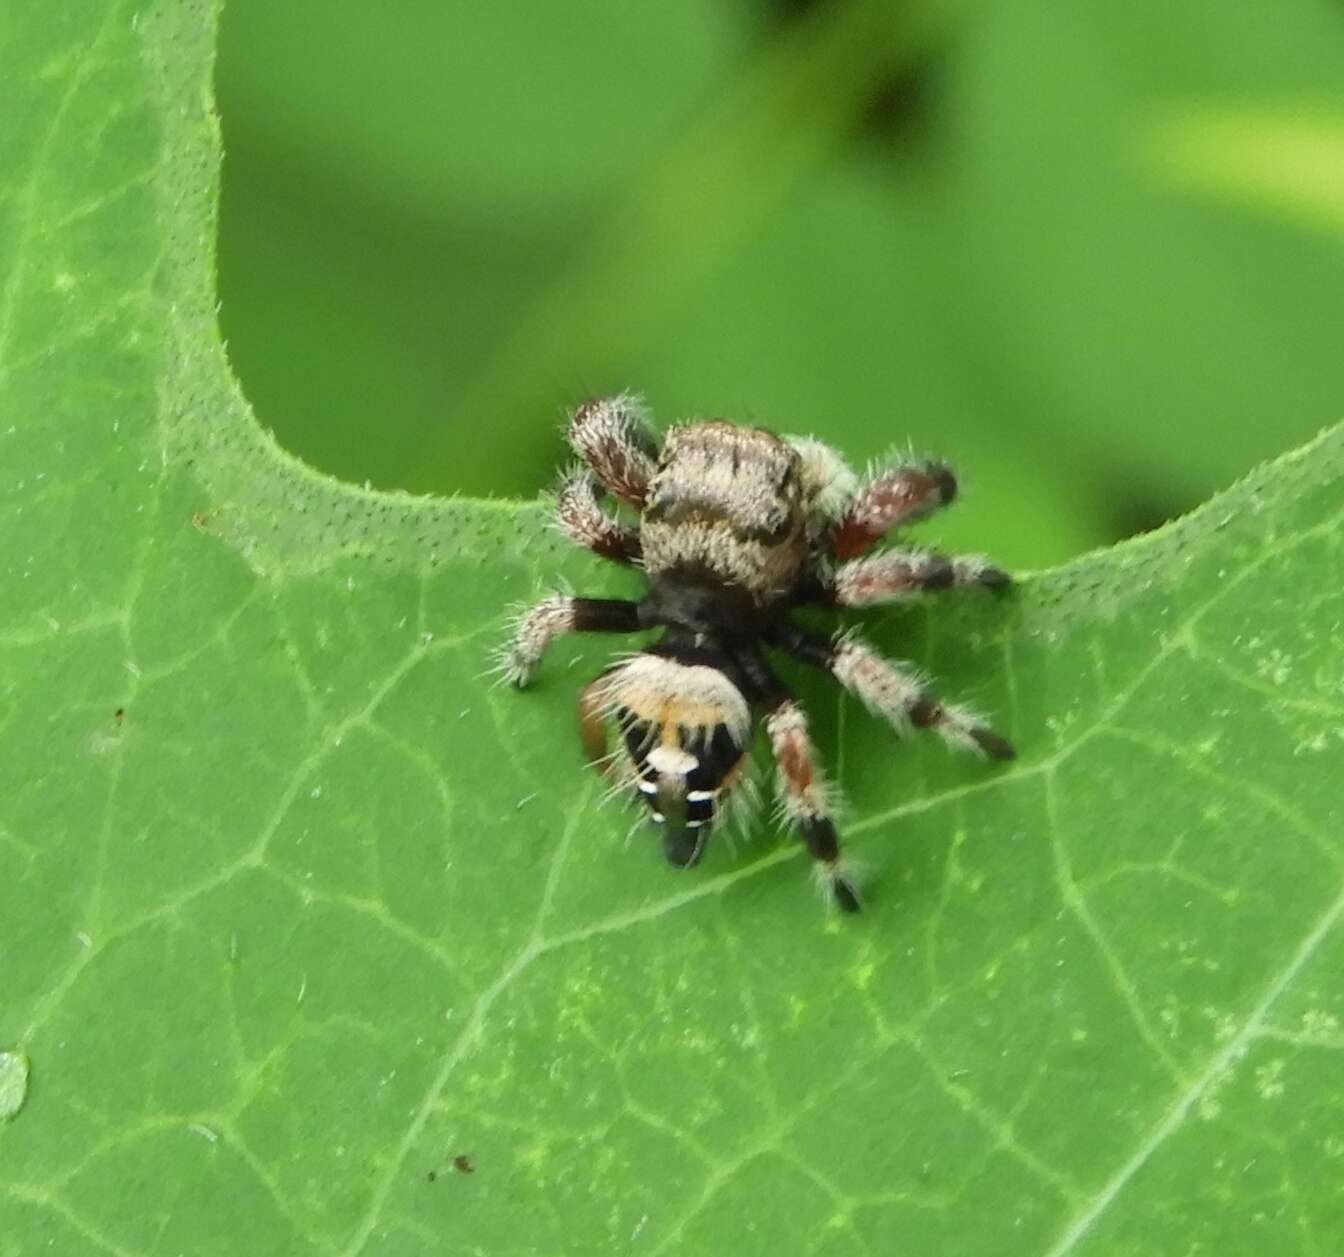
1033, 239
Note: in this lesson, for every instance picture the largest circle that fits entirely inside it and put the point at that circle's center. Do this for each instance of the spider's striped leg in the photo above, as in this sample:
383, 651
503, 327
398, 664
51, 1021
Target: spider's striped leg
891, 691
900, 494
582, 519
611, 435
894, 575
803, 794
541, 623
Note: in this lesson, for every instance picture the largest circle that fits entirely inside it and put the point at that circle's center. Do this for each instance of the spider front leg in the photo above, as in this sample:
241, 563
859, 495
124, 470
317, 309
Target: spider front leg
803, 793
582, 519
611, 435
897, 495
894, 693
536, 627
896, 574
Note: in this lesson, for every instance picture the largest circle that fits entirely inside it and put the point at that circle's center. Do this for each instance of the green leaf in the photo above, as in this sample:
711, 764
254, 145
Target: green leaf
1289, 161
318, 944
1178, 339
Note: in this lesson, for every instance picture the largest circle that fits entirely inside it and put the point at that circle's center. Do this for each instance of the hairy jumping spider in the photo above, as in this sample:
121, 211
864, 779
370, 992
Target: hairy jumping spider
736, 527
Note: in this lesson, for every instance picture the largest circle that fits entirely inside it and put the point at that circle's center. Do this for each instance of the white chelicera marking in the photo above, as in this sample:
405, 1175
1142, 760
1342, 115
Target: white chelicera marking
671, 760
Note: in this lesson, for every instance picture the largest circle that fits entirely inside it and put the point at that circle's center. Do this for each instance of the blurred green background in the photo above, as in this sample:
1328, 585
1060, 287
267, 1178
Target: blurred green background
1092, 253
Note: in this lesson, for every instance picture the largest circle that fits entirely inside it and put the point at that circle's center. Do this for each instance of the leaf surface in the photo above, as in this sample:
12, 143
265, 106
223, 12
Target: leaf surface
313, 943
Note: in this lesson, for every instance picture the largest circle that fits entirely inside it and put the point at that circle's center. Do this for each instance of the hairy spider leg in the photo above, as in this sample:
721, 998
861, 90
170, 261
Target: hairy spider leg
611, 435
581, 518
803, 797
803, 793
894, 693
900, 494
541, 623
896, 574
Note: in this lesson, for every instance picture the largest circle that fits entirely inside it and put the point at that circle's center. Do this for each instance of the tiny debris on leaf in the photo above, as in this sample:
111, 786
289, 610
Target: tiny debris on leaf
14, 1072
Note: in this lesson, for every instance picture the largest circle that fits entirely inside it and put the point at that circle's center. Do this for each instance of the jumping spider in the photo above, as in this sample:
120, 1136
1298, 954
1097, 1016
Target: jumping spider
736, 527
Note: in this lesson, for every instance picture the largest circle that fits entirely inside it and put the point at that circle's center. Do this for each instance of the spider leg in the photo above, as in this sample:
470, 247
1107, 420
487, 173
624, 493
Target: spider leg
611, 435
896, 495
584, 522
536, 627
802, 788
894, 575
803, 793
895, 693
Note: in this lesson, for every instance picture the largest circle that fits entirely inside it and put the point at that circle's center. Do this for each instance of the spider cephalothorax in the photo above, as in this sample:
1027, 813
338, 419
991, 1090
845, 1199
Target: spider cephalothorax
736, 527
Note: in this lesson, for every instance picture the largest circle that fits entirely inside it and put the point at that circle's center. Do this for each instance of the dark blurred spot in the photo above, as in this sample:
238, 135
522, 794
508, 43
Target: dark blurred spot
782, 12
463, 1164
901, 109
1135, 510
